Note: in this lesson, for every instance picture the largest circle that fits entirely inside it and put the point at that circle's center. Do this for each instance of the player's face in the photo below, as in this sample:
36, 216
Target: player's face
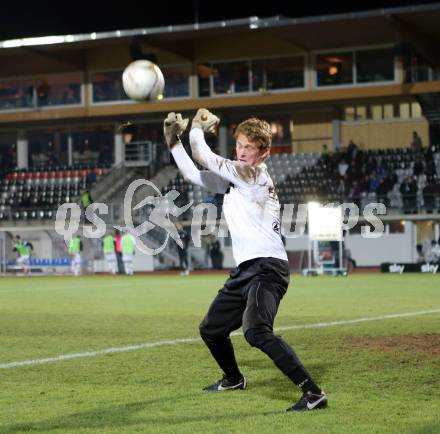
248, 152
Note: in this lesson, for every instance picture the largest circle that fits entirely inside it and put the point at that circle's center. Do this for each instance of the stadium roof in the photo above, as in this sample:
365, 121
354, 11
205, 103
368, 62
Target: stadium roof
379, 22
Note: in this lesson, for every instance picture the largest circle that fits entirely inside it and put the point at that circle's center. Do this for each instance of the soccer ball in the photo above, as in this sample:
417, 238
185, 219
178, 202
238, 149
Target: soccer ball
143, 80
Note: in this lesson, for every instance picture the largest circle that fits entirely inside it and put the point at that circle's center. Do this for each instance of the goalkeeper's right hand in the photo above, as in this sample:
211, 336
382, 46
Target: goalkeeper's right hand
205, 120
173, 127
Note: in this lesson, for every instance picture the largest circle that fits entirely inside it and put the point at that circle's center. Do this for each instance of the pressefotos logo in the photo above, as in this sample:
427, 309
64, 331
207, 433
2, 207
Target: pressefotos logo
163, 208
204, 218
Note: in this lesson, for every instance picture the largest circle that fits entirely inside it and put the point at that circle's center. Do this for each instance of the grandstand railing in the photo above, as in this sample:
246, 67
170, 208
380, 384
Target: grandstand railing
138, 153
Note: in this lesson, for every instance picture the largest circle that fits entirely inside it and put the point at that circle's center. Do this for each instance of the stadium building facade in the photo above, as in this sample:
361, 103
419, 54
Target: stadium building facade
371, 77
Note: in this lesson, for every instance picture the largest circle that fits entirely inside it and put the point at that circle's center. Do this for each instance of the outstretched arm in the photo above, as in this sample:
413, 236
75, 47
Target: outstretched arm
208, 180
231, 171
174, 126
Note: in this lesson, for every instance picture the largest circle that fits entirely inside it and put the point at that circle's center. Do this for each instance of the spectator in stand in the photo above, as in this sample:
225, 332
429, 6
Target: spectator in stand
416, 142
341, 189
86, 200
355, 193
437, 193
408, 189
428, 196
384, 187
353, 173
364, 184
371, 164
342, 167
374, 183
419, 166
352, 151
431, 194
405, 191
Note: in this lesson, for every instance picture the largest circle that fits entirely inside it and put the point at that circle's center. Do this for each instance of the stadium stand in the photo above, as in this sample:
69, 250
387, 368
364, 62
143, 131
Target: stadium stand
379, 175
36, 193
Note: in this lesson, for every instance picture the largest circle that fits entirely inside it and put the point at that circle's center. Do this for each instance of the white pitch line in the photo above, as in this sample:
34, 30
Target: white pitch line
193, 339
87, 286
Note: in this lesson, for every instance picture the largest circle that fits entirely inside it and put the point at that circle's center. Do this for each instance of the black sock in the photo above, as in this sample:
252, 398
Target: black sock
302, 379
288, 362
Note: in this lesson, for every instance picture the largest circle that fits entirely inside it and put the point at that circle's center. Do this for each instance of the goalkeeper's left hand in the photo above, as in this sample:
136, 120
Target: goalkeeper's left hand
173, 127
205, 120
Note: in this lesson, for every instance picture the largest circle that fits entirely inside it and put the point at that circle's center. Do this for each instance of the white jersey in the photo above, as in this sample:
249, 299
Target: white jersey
252, 214
250, 206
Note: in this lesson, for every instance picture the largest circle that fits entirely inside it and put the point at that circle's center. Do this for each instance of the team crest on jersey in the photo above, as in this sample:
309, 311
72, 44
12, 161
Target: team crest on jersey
276, 226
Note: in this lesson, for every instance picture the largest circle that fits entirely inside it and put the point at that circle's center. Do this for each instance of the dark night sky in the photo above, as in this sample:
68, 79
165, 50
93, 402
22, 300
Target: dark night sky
41, 18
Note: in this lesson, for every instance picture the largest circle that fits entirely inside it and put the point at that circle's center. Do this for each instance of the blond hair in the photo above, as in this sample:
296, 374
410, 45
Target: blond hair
256, 130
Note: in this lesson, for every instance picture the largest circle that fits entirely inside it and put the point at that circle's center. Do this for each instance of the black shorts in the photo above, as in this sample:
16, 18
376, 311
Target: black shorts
250, 297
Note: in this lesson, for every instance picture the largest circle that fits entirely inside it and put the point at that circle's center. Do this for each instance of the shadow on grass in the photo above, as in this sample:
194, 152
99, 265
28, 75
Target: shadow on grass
278, 386
124, 415
426, 429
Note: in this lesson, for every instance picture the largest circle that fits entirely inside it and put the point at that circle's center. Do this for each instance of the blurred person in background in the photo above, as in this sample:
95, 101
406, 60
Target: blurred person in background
75, 248
183, 251
23, 250
128, 245
118, 251
108, 247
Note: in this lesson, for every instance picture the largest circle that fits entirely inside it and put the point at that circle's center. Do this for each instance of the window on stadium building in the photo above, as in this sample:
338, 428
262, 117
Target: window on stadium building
93, 146
355, 113
107, 87
231, 77
177, 79
376, 112
416, 110
388, 111
58, 90
405, 110
281, 73
355, 67
334, 69
51, 90
361, 112
17, 94
374, 65
415, 68
350, 113
257, 75
383, 111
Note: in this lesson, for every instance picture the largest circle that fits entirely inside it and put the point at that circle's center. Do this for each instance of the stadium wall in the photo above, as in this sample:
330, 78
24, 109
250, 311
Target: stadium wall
372, 252
384, 134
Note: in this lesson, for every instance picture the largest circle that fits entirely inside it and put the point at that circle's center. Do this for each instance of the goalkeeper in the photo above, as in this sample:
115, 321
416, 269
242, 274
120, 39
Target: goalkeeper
251, 296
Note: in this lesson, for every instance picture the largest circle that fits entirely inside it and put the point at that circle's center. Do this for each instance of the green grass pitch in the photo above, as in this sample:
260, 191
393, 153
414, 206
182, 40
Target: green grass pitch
381, 376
